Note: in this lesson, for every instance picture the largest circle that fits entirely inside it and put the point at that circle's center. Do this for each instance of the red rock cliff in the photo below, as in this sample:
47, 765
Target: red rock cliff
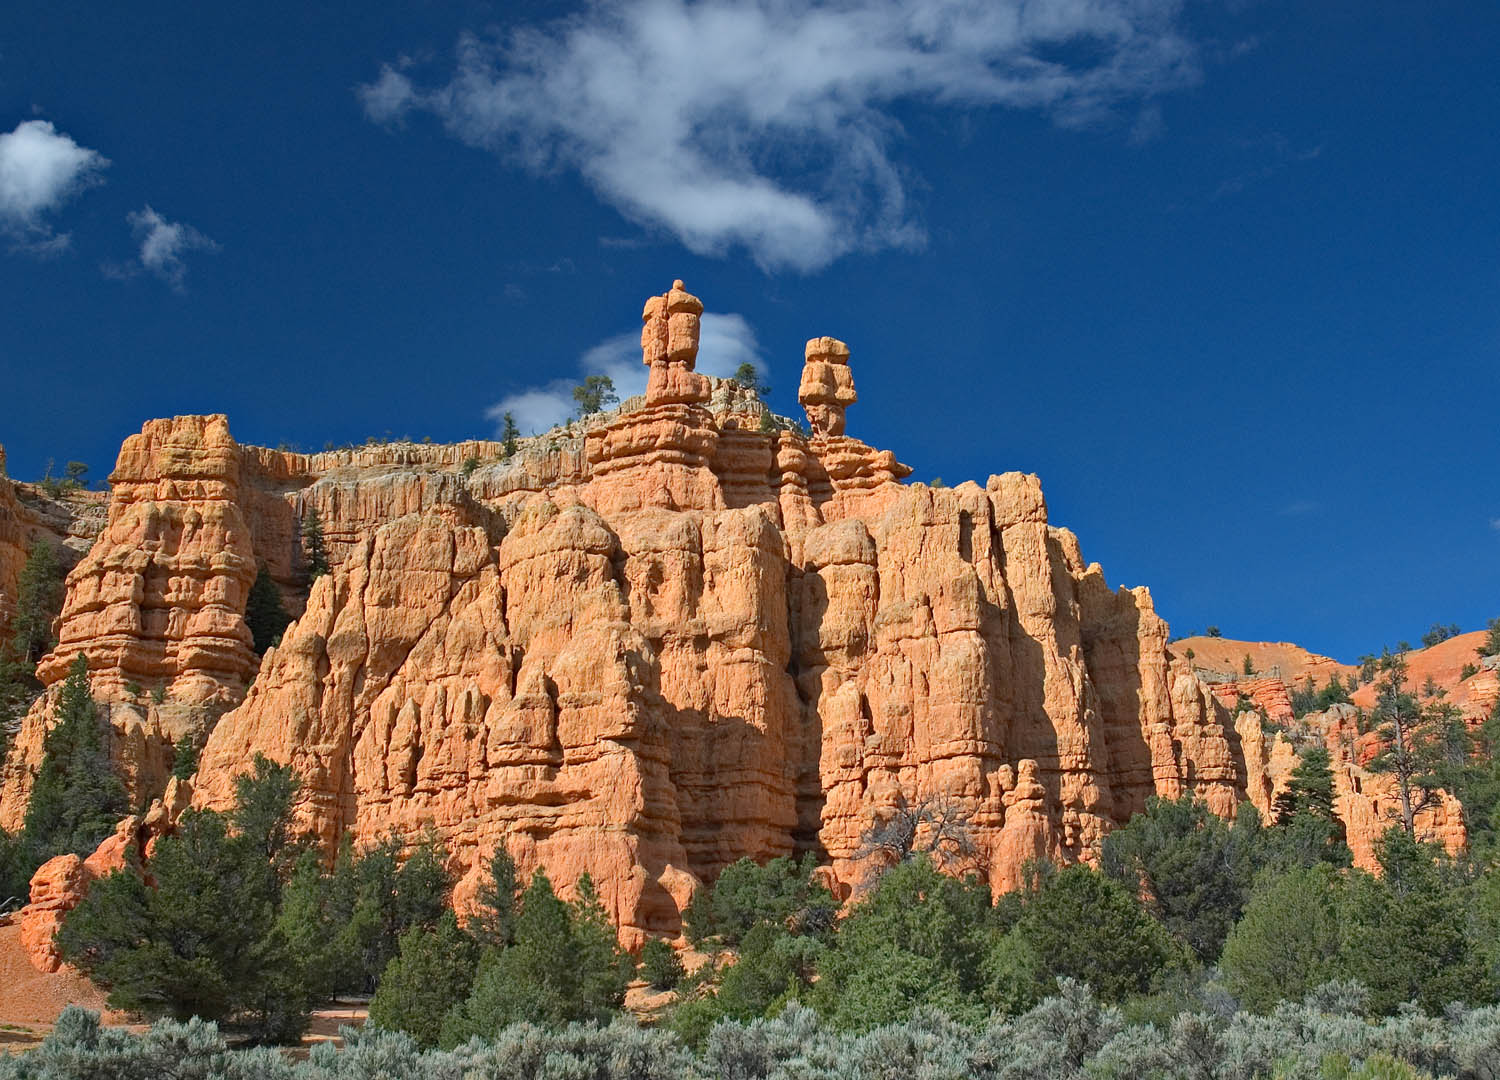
650, 648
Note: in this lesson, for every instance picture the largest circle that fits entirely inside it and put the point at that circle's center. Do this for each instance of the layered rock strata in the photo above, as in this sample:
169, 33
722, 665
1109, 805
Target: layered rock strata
653, 645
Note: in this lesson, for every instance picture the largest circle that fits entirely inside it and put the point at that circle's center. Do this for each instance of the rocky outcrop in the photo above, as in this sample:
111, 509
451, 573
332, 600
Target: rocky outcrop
1367, 803
697, 640
67, 521
159, 599
60, 883
1270, 696
156, 606
643, 647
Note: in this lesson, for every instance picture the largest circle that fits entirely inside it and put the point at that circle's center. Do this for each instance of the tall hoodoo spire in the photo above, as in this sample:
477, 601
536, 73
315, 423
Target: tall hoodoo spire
669, 346
827, 385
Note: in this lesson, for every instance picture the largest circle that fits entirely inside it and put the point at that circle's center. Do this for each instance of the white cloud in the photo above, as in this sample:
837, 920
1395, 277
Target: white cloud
725, 342
765, 124
164, 243
387, 99
40, 169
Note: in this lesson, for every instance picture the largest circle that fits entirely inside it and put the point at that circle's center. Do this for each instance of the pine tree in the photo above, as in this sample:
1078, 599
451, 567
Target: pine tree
1309, 830
264, 614
918, 939
748, 376
605, 969
185, 757
493, 924
314, 549
1287, 942
1420, 746
263, 800
77, 798
430, 974
1310, 789
1193, 869
38, 600
660, 966
200, 940
565, 965
1405, 934
509, 433
595, 394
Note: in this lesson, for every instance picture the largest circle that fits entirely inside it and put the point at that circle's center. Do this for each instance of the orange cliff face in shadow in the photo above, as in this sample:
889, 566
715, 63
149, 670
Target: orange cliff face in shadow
684, 634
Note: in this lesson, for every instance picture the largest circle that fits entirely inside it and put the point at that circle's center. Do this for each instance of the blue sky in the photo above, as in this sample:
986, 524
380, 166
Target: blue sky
1225, 275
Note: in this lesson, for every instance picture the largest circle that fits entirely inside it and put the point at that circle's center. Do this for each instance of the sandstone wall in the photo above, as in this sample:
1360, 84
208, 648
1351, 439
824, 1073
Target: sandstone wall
675, 640
646, 646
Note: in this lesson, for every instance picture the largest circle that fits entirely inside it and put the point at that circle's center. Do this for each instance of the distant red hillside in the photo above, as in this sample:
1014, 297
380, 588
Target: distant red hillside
1444, 663
1291, 662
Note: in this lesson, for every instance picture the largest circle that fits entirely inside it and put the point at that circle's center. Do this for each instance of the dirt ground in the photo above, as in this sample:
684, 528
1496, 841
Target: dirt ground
31, 1001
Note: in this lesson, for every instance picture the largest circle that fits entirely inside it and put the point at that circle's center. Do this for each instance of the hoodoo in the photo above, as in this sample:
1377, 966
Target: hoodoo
687, 633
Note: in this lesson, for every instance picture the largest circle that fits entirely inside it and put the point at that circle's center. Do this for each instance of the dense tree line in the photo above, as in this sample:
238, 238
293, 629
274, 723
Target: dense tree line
1192, 931
242, 921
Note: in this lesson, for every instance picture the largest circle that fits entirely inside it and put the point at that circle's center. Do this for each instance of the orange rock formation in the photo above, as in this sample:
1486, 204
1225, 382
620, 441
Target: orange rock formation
647, 650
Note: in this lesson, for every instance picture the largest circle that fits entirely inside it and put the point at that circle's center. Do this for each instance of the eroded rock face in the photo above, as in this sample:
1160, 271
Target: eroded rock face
159, 599
156, 605
703, 641
659, 644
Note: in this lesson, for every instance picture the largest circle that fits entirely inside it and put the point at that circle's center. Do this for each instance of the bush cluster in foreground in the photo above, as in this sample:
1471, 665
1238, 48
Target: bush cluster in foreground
1070, 1035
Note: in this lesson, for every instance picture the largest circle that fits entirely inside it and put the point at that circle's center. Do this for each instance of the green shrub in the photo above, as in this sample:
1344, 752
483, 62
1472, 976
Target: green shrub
565, 965
431, 973
1287, 943
660, 965
784, 892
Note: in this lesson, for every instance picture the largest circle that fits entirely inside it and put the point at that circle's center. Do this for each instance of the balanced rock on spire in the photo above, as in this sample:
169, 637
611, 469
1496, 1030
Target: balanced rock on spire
827, 385
669, 347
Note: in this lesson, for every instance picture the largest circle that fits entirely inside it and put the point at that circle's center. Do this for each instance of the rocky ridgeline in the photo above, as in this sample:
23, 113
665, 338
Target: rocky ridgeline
644, 649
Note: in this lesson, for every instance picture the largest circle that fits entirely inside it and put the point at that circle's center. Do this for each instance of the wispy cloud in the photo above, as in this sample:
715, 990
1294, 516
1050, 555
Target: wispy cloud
1276, 153
40, 169
163, 245
1149, 125
726, 342
767, 124
1300, 508
1495, 524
